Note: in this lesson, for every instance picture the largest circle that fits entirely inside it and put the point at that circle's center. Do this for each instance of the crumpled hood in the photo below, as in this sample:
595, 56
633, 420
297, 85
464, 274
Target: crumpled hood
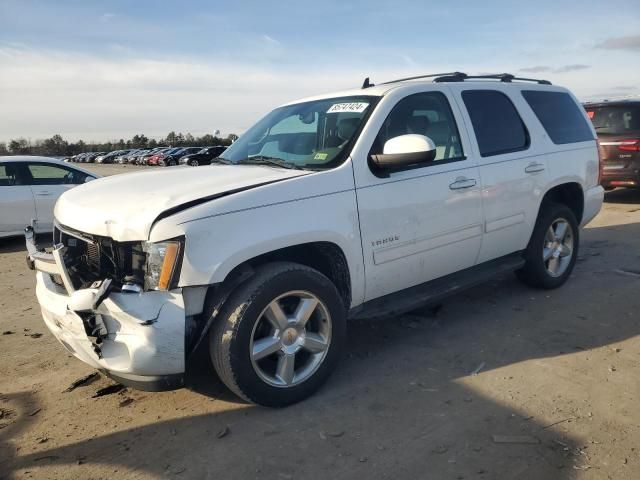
125, 206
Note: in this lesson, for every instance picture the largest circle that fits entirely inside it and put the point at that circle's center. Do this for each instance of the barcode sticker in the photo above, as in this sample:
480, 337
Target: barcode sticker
355, 107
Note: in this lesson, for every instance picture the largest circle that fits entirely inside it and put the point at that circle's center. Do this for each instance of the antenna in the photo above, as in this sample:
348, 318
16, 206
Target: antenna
367, 84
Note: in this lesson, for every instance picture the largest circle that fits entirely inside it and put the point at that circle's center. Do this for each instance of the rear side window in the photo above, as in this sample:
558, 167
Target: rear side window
496, 122
560, 115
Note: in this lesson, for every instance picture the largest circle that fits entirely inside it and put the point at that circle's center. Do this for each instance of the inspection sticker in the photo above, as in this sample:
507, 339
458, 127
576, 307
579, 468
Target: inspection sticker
355, 107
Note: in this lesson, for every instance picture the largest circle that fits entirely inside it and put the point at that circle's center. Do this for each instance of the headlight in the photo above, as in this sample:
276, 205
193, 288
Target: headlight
162, 264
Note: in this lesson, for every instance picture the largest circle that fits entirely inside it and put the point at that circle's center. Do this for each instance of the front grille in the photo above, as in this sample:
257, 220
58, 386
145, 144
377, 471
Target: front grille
89, 258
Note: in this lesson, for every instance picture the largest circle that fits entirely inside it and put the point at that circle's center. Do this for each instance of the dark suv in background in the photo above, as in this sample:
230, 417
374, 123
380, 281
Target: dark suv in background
203, 157
617, 124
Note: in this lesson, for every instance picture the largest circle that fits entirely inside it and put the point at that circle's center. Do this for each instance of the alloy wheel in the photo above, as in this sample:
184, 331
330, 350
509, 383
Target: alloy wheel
558, 247
291, 339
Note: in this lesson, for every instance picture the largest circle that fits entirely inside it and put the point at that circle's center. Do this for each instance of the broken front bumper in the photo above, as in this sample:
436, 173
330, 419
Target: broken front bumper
136, 338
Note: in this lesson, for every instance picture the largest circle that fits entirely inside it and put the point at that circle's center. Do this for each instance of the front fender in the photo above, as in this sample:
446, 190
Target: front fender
215, 245
224, 233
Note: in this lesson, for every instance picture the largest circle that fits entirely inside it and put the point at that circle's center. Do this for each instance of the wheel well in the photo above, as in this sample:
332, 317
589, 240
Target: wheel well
326, 257
569, 194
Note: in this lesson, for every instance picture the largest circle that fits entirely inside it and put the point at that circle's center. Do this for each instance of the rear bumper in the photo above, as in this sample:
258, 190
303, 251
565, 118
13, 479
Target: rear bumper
620, 178
135, 338
621, 172
593, 199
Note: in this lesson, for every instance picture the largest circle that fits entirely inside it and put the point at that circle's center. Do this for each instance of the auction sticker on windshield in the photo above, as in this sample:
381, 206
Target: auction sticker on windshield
355, 107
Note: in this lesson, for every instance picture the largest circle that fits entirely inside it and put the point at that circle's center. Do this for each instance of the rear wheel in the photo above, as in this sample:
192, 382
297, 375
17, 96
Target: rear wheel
279, 335
553, 247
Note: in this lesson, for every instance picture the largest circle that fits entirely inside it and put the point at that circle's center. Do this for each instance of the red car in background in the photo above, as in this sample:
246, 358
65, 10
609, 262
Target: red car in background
617, 124
157, 157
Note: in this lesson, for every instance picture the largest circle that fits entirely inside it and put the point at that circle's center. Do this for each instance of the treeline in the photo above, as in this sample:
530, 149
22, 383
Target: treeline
58, 146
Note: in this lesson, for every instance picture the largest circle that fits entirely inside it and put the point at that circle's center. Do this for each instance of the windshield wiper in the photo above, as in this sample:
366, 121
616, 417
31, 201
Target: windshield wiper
264, 160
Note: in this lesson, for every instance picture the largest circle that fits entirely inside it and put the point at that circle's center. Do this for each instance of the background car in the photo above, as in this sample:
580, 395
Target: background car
203, 157
111, 156
29, 188
143, 158
617, 124
155, 158
172, 159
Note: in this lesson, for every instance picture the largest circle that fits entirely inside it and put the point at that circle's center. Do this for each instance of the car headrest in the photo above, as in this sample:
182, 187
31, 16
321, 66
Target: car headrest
418, 124
347, 127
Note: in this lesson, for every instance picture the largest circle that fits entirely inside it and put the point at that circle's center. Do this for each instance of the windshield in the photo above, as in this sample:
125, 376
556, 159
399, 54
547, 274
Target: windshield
615, 119
315, 135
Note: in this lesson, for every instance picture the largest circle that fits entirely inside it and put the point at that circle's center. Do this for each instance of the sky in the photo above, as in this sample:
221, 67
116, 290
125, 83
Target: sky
104, 70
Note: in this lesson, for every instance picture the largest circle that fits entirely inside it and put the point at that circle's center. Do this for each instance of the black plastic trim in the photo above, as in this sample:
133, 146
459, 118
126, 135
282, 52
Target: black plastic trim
435, 291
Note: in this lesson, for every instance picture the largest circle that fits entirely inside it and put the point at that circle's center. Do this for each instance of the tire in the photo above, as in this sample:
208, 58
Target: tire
194, 163
546, 255
171, 163
242, 327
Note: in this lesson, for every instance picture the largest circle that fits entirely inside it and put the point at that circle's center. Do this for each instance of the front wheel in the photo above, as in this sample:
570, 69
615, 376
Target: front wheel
279, 335
553, 248
194, 163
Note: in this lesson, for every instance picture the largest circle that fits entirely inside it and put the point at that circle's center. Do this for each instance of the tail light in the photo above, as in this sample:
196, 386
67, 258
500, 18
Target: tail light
600, 166
629, 146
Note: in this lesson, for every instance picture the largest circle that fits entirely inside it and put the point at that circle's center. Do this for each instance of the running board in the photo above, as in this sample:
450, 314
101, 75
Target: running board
437, 290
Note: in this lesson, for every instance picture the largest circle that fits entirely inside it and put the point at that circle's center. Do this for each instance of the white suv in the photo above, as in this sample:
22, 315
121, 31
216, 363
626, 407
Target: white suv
360, 203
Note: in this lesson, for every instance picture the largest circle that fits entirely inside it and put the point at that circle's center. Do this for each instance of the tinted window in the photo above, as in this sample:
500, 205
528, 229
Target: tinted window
615, 119
44, 174
427, 114
560, 115
7, 175
496, 122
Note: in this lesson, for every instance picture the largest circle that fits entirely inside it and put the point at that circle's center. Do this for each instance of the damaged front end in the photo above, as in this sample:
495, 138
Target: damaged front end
93, 299
91, 258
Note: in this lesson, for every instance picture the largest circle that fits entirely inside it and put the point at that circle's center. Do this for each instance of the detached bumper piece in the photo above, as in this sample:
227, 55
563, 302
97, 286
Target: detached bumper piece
137, 338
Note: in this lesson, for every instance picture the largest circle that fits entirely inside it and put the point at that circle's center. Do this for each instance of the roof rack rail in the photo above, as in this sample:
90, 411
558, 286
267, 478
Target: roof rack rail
503, 77
367, 83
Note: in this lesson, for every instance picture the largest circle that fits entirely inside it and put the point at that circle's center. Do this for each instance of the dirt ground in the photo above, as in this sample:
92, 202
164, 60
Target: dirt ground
503, 382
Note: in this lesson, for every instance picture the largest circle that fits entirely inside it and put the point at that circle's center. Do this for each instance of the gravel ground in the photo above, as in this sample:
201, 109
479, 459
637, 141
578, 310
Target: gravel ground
502, 382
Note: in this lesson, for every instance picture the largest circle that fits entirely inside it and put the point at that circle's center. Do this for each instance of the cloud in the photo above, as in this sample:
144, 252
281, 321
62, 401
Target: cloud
107, 17
624, 88
271, 40
629, 42
536, 69
563, 69
571, 68
99, 98
121, 92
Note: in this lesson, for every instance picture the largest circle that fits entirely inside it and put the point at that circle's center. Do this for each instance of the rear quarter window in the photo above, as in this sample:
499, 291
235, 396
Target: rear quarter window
560, 115
496, 122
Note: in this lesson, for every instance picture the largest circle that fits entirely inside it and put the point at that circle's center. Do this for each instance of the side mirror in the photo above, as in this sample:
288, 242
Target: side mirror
405, 151
88, 178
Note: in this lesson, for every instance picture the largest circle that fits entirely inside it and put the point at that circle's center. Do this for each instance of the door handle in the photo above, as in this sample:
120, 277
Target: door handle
462, 182
43, 194
534, 168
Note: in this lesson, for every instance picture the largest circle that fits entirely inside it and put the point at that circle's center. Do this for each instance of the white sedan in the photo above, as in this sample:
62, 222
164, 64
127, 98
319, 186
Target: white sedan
29, 188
